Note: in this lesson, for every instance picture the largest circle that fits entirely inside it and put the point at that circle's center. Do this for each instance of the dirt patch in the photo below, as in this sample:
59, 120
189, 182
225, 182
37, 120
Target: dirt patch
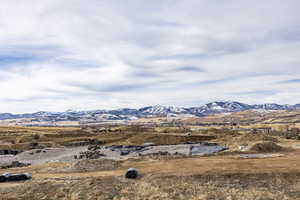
39, 156
160, 139
221, 187
266, 147
244, 139
249, 137
95, 165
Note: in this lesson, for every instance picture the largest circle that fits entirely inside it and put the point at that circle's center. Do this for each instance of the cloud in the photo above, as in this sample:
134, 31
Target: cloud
11, 60
291, 81
256, 93
57, 55
189, 69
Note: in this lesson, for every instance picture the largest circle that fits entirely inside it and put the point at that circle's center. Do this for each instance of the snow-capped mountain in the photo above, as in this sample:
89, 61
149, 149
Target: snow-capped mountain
149, 111
219, 107
161, 110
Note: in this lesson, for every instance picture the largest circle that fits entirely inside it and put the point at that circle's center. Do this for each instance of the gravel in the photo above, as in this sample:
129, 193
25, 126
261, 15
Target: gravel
48, 155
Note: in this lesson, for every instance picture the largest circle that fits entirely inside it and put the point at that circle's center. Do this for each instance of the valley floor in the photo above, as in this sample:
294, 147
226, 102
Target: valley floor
225, 175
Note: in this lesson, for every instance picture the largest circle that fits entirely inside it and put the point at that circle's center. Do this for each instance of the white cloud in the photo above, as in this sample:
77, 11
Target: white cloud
56, 55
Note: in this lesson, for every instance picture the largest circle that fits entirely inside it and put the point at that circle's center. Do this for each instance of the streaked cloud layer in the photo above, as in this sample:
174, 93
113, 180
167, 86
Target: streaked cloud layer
73, 54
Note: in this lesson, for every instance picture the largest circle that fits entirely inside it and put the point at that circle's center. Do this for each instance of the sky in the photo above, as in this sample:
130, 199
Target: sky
104, 54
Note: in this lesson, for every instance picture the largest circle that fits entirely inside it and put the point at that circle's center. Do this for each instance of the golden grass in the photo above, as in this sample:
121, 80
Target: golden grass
220, 177
201, 187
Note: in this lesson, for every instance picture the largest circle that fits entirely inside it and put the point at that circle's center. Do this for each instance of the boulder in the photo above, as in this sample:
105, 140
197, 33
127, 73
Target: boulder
2, 179
15, 177
132, 173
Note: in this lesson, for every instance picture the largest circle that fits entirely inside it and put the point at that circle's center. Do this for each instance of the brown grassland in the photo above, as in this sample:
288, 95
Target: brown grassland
222, 176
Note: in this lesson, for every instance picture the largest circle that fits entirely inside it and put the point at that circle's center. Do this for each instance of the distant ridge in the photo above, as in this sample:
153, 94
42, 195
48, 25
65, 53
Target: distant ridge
149, 111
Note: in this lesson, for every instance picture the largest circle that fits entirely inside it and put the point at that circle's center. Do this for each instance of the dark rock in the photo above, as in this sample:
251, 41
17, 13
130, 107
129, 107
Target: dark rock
89, 155
35, 145
188, 142
16, 177
95, 147
124, 153
132, 173
19, 164
2, 179
9, 152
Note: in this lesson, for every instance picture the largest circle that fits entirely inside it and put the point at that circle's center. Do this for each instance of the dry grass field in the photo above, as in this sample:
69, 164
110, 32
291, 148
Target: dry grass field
224, 175
250, 117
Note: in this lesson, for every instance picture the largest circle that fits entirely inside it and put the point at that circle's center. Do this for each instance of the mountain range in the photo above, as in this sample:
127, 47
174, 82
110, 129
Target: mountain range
150, 111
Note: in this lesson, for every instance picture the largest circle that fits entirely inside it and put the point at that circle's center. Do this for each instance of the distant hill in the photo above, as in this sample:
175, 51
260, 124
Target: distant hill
150, 111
